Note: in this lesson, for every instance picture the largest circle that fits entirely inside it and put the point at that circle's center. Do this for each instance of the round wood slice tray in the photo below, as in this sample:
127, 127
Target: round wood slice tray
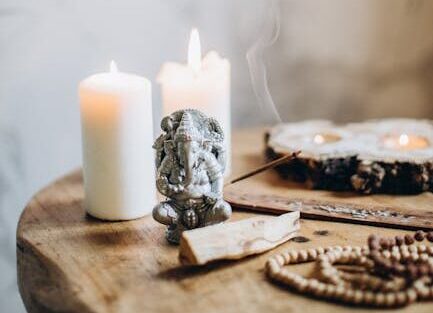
366, 157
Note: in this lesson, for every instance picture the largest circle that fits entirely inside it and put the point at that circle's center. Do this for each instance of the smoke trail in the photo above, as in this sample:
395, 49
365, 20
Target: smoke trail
255, 59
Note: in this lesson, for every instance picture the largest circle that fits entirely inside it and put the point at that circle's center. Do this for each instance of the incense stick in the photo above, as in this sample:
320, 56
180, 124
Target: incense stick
264, 167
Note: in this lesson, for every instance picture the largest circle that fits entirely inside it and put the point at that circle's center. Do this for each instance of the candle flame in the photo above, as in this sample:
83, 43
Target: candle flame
113, 67
318, 139
194, 51
403, 140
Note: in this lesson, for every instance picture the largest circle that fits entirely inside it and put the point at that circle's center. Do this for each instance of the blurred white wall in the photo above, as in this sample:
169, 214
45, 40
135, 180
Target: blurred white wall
337, 59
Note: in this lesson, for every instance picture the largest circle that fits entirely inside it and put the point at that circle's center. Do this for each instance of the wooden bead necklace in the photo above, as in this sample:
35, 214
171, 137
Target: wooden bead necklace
389, 272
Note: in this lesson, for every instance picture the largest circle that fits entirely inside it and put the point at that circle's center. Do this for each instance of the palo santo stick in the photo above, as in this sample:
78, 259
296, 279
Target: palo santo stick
265, 167
237, 239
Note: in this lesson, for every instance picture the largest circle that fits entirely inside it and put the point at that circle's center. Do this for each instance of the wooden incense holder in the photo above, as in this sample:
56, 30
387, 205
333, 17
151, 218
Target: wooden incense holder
392, 156
238, 239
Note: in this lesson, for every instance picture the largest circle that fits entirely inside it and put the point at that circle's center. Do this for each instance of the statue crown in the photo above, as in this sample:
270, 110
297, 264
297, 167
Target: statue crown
186, 130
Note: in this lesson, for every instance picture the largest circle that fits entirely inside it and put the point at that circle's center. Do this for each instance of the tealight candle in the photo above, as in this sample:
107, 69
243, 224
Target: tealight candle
405, 142
202, 84
118, 160
320, 139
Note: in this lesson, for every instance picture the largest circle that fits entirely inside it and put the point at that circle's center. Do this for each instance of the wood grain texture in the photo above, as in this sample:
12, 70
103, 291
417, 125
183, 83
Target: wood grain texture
69, 262
236, 240
338, 211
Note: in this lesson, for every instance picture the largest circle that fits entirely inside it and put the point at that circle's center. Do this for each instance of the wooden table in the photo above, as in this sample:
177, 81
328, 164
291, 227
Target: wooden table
70, 262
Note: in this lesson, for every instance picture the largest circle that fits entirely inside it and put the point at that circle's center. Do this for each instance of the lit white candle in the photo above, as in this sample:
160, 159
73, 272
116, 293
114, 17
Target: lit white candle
405, 142
118, 160
202, 84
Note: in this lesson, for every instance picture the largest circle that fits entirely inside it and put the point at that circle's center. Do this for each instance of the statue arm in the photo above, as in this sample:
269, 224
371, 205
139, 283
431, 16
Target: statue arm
220, 151
217, 185
216, 177
162, 182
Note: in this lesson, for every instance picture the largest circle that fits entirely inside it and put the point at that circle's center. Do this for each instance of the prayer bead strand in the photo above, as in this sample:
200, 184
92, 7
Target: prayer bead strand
390, 271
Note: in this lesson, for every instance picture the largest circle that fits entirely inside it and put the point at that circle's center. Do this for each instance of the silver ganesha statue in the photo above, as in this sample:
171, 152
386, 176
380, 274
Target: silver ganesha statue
190, 162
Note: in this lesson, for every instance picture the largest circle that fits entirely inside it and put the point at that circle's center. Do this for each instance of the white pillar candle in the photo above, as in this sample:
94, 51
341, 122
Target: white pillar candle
117, 135
201, 84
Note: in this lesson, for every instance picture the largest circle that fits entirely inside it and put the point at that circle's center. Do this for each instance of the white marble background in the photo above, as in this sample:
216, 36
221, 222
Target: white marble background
338, 59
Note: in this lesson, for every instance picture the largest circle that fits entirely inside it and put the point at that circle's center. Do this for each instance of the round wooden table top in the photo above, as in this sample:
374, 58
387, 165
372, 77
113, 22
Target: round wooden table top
70, 262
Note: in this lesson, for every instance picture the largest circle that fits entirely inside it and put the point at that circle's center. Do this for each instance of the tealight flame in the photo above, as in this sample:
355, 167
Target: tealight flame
403, 140
113, 67
194, 51
318, 139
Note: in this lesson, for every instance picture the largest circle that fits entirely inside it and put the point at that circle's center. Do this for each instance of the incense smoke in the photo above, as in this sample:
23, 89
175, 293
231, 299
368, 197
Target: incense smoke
255, 59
